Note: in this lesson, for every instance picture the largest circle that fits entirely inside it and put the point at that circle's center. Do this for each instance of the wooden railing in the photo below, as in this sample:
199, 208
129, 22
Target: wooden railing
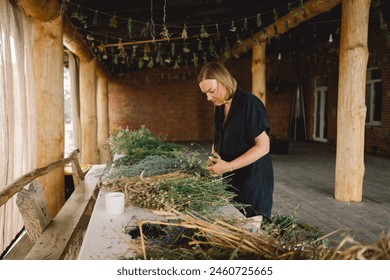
13, 188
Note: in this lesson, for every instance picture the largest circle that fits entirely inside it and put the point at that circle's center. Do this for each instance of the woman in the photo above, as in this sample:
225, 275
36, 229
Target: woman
241, 141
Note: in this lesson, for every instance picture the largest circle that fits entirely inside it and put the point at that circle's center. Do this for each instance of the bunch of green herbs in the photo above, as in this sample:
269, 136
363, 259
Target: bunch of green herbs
138, 144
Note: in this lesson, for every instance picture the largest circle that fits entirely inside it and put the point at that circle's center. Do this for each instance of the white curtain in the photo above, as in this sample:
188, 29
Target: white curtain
18, 129
75, 98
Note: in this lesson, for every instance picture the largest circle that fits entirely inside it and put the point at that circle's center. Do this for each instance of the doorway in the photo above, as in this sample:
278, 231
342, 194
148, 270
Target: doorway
320, 110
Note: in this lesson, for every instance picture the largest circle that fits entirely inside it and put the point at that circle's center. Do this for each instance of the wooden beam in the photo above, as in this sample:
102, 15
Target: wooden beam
74, 42
351, 112
312, 8
259, 71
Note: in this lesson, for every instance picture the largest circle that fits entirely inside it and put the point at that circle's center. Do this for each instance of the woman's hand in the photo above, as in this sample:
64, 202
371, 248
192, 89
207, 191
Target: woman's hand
217, 166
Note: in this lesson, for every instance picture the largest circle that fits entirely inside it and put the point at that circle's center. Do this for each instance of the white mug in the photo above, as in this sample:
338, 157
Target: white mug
115, 202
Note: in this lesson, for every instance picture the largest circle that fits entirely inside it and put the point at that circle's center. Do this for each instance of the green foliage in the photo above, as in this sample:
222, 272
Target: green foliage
288, 230
138, 144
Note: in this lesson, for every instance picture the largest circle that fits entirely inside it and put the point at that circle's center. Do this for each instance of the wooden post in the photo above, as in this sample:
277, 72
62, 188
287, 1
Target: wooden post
103, 122
42, 10
89, 150
351, 100
258, 71
48, 68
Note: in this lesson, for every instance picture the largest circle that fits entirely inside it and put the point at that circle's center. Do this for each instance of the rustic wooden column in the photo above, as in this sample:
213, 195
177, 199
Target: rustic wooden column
258, 71
49, 87
43, 10
89, 150
102, 117
351, 100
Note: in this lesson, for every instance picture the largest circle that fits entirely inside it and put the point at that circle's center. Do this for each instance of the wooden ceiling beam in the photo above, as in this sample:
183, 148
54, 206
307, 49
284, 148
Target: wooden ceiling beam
74, 42
48, 10
298, 15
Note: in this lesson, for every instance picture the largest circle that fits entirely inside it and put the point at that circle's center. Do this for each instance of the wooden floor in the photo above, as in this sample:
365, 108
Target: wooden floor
304, 179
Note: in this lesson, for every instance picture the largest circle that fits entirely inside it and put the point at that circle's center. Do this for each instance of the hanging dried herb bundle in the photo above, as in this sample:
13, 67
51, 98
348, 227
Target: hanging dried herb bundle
138, 144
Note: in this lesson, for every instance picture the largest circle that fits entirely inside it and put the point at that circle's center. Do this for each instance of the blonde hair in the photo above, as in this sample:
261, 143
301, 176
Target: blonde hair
217, 71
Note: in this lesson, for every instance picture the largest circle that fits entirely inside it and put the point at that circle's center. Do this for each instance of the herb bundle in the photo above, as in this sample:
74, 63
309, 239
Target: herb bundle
150, 166
176, 190
138, 144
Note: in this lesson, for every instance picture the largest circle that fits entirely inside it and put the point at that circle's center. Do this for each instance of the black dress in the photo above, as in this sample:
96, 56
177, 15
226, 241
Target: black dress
246, 120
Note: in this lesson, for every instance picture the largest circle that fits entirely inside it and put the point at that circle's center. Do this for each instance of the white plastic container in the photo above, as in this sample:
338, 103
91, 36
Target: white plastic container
115, 202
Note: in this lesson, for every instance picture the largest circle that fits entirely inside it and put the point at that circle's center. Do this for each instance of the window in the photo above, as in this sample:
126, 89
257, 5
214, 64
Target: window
373, 96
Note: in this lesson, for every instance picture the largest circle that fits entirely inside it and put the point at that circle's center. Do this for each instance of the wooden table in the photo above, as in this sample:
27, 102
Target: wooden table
105, 237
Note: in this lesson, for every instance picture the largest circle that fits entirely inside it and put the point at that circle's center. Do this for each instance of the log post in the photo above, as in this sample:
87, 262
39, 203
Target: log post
42, 10
89, 150
258, 71
103, 122
351, 111
48, 68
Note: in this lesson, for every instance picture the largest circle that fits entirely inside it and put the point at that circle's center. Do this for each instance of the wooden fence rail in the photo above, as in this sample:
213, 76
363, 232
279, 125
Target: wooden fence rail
13, 188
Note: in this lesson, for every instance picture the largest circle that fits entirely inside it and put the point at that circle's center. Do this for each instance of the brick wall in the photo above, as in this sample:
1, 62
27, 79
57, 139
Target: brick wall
170, 107
377, 138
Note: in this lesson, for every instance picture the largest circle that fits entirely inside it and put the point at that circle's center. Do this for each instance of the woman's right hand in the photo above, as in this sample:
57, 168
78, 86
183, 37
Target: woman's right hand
212, 157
